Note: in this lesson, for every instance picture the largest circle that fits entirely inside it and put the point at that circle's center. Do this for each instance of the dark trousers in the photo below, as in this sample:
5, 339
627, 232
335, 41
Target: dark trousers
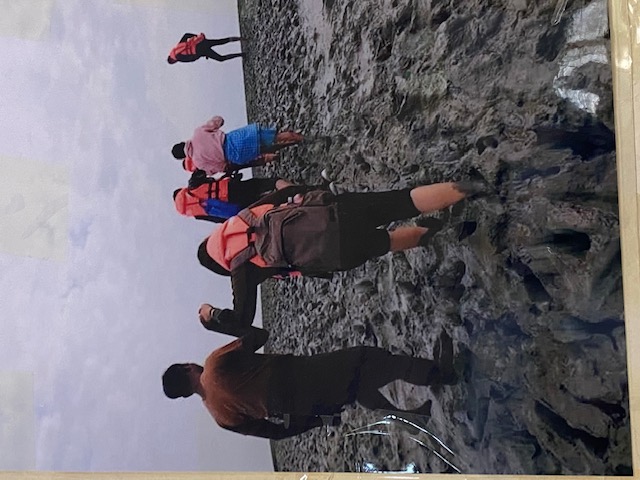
323, 384
246, 192
360, 216
205, 49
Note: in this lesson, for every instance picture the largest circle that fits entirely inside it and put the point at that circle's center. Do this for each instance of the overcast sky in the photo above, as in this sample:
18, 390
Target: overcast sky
100, 285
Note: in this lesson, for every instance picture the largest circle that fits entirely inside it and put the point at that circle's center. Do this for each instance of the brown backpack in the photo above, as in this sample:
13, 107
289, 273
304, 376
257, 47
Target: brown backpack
304, 236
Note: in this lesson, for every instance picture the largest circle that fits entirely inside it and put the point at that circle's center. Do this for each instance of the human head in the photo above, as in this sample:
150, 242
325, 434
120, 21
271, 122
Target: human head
171, 61
179, 380
209, 263
178, 151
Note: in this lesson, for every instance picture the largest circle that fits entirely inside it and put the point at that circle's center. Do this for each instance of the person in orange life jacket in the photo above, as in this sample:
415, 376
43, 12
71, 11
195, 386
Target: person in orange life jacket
192, 47
243, 390
214, 151
215, 200
360, 239
188, 166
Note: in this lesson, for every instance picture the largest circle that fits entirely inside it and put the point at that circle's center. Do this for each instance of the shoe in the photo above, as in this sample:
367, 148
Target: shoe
433, 224
443, 356
465, 229
474, 188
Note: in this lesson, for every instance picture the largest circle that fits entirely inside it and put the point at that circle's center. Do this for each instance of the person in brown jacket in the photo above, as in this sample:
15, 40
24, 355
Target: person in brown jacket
243, 390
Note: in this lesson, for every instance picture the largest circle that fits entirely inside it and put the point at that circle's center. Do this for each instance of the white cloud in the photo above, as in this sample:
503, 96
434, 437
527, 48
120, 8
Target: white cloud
33, 208
221, 7
99, 329
17, 422
28, 19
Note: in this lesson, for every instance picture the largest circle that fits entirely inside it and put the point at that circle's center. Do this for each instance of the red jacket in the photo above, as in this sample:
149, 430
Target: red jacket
187, 47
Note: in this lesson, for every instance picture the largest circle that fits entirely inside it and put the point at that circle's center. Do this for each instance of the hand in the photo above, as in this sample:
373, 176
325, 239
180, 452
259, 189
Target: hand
206, 313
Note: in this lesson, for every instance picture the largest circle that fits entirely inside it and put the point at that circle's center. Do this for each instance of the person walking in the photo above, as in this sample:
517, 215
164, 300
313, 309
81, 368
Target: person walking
345, 236
191, 47
245, 391
216, 200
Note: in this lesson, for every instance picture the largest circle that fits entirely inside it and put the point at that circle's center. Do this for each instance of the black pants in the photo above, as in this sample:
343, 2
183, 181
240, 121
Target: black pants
323, 384
246, 192
205, 49
361, 215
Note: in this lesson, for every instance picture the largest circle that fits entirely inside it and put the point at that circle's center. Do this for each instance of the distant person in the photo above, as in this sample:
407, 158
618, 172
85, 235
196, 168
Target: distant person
306, 237
242, 389
216, 200
214, 151
188, 166
192, 47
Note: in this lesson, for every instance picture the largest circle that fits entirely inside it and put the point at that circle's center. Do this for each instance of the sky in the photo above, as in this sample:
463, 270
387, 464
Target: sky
101, 285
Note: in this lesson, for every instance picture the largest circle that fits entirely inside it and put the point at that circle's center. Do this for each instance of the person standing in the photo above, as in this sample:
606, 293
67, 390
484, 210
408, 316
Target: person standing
191, 47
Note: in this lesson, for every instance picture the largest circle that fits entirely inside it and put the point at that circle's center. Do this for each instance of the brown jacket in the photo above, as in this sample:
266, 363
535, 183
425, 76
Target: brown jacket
236, 383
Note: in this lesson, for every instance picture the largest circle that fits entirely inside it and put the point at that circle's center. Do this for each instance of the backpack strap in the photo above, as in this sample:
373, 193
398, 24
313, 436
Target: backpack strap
243, 256
248, 217
211, 188
248, 252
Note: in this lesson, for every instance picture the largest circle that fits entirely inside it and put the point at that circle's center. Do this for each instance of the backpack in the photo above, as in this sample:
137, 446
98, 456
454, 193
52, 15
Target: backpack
304, 236
210, 195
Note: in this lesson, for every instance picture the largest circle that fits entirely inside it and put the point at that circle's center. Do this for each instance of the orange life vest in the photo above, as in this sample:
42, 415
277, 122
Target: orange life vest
187, 47
190, 202
231, 238
188, 164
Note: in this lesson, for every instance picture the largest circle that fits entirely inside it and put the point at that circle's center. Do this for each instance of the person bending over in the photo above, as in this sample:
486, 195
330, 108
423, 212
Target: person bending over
214, 151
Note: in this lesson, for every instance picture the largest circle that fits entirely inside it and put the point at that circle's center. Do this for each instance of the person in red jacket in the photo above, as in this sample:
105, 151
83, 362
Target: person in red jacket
192, 47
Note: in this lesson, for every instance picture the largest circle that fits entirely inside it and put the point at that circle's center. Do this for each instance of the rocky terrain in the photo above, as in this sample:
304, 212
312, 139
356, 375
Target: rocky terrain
396, 93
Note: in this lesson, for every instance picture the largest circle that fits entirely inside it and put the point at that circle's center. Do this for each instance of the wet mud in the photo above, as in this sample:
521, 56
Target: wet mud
528, 282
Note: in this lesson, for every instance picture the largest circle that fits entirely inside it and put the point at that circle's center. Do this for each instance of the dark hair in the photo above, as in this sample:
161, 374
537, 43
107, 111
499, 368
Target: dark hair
175, 381
176, 192
209, 263
178, 151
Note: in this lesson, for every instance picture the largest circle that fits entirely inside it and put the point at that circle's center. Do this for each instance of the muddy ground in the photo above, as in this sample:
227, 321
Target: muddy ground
395, 93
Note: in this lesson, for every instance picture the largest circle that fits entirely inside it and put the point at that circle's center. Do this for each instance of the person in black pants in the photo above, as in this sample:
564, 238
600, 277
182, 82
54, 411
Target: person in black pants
361, 239
241, 389
192, 47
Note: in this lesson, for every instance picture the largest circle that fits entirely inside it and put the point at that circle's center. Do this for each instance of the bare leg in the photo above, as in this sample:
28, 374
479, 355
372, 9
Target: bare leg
280, 184
403, 238
430, 198
288, 138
